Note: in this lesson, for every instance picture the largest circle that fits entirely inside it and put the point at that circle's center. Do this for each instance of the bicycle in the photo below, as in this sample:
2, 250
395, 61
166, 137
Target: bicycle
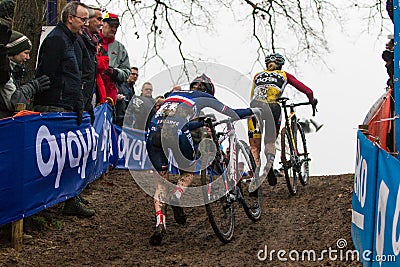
225, 185
294, 154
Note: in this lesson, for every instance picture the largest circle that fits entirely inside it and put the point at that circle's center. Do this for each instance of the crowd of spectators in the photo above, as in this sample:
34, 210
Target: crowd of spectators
80, 65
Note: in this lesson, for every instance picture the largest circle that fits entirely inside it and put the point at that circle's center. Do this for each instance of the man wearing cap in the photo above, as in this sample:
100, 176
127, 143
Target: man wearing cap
13, 92
113, 60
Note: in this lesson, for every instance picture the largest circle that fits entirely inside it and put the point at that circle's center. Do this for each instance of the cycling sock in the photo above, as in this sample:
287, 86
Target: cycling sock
160, 218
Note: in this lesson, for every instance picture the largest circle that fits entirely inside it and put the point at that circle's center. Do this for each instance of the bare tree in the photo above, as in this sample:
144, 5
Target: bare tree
271, 23
375, 13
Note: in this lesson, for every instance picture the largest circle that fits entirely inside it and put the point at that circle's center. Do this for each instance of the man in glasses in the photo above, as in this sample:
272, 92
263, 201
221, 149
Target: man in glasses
58, 60
125, 94
113, 60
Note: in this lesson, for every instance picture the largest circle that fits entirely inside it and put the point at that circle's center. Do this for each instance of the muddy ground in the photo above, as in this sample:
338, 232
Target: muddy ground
118, 234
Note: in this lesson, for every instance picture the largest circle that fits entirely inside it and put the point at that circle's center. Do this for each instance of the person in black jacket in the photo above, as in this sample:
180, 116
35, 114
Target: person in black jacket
58, 60
90, 39
125, 93
62, 59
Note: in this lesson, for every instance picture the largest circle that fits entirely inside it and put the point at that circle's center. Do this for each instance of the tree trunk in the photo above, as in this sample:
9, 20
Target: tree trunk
29, 17
60, 5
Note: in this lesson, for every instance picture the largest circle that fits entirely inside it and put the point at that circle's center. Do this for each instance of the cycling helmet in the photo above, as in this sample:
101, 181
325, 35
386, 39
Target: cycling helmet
276, 57
207, 85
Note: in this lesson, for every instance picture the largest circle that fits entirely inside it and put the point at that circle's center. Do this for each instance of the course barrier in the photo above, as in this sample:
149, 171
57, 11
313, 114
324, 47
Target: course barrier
47, 158
375, 224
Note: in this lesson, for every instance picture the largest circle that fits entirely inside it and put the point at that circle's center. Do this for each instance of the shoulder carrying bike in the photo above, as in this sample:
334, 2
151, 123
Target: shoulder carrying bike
294, 154
230, 180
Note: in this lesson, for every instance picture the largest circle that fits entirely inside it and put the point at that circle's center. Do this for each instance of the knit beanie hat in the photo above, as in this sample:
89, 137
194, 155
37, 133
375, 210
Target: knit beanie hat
18, 43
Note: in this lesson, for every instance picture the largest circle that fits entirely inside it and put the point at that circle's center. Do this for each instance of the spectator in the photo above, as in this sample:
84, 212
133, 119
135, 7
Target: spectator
125, 94
58, 59
13, 93
7, 12
388, 57
113, 60
141, 108
389, 9
147, 90
86, 47
5, 34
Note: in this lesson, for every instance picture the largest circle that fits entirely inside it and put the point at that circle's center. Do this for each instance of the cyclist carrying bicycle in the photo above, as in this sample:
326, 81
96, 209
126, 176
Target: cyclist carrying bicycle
268, 85
169, 134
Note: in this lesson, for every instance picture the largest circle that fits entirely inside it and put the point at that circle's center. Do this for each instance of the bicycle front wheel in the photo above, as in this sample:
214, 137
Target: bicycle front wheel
248, 181
220, 210
302, 153
288, 158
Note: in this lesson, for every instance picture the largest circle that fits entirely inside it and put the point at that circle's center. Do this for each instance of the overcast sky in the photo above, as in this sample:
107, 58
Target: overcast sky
345, 94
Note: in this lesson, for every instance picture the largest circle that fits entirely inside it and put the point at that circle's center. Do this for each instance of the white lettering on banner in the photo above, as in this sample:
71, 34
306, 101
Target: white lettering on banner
106, 142
73, 139
383, 196
45, 168
395, 237
131, 148
360, 179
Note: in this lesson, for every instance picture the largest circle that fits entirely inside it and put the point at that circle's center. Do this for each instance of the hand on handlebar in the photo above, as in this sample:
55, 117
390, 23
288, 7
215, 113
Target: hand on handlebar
314, 103
208, 121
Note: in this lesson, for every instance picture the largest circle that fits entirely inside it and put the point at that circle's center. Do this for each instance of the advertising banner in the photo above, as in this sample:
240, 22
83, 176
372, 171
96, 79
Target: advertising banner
48, 158
364, 194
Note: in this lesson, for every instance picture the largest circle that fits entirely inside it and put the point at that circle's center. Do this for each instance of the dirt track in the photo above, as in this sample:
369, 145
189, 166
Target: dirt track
118, 234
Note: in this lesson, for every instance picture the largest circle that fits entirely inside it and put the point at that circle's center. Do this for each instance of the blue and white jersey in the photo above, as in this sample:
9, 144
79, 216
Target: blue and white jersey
184, 106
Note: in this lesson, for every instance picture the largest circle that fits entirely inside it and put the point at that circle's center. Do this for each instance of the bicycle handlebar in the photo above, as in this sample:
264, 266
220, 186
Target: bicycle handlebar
283, 100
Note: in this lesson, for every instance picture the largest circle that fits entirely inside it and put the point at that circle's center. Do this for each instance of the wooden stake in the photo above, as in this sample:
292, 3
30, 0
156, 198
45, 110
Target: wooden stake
16, 235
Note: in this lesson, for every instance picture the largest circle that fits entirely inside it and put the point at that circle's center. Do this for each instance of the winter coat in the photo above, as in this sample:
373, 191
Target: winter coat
58, 60
12, 93
115, 53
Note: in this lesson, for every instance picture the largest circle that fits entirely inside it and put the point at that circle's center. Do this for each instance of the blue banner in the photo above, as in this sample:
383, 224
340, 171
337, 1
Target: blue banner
131, 149
387, 232
48, 158
363, 202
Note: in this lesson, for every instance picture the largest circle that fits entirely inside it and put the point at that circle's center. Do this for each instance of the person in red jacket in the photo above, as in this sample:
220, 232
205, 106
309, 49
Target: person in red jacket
268, 85
113, 61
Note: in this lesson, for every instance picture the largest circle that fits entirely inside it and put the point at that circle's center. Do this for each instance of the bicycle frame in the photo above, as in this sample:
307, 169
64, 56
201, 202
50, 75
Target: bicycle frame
294, 155
230, 173
222, 194
291, 119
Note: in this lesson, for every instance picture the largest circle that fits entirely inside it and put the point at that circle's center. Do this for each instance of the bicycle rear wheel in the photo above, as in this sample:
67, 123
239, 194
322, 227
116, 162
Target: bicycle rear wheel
220, 210
288, 158
303, 172
248, 181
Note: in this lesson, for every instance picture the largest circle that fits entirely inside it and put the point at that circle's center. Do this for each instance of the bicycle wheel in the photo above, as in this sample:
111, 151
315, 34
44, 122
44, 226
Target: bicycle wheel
288, 159
219, 209
303, 171
248, 181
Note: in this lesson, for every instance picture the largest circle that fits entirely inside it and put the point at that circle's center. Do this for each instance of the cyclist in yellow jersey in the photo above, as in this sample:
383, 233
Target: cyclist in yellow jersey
268, 85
